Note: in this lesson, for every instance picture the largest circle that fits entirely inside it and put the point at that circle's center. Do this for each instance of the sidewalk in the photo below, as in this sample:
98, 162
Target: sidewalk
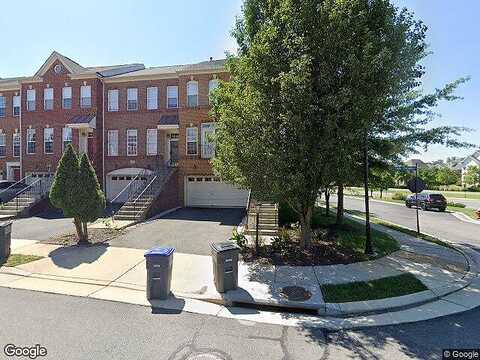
96, 272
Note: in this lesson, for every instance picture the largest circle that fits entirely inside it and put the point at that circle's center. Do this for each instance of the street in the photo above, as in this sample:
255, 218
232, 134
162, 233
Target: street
442, 225
77, 328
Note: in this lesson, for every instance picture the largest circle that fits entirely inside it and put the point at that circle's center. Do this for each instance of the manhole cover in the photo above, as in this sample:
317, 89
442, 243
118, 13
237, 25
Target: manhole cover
205, 356
295, 293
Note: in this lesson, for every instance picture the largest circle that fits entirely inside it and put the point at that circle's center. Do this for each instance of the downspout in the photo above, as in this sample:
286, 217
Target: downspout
21, 134
103, 136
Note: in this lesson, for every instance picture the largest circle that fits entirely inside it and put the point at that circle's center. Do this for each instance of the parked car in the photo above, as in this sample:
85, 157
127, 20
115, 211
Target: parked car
8, 189
427, 201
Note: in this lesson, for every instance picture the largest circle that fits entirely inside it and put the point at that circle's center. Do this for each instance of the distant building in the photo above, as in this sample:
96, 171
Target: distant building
472, 160
416, 162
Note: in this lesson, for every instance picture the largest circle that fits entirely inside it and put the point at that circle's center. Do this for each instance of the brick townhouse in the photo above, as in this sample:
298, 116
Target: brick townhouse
132, 122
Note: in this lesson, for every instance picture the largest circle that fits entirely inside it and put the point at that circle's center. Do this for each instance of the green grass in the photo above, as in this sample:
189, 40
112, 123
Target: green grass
19, 259
448, 194
401, 229
467, 211
373, 290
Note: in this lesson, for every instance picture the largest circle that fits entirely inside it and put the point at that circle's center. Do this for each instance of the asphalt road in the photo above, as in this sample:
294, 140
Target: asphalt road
78, 328
442, 225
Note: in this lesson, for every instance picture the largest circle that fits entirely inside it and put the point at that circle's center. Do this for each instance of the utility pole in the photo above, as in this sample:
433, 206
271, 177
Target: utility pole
416, 197
368, 232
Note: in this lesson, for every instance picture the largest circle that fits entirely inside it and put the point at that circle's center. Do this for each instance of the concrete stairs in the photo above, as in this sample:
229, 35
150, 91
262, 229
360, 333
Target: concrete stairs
137, 206
18, 205
267, 219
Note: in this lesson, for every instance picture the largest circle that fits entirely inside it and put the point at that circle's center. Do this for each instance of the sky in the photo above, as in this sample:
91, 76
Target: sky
174, 32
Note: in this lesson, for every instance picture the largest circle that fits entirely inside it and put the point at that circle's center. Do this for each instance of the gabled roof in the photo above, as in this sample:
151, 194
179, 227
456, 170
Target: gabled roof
76, 69
467, 161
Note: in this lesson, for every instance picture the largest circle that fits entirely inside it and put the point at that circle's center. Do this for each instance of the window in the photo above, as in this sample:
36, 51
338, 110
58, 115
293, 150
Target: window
208, 146
192, 93
16, 144
31, 138
67, 137
212, 85
48, 99
85, 96
132, 99
3, 145
112, 100
3, 105
67, 97
172, 96
16, 105
131, 142
31, 100
151, 141
112, 139
192, 140
152, 98
48, 140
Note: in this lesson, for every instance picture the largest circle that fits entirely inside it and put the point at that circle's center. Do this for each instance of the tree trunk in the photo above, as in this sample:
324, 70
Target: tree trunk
340, 208
327, 202
381, 194
78, 227
85, 232
306, 228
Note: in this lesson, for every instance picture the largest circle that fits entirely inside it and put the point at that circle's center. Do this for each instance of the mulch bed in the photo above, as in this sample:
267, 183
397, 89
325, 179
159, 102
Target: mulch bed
95, 236
324, 251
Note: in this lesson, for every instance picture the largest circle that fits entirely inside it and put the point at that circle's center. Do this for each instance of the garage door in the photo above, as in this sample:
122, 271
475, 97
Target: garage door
204, 191
118, 180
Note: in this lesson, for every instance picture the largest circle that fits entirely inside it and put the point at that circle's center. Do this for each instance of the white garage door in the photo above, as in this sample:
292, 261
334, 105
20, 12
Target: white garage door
118, 180
204, 191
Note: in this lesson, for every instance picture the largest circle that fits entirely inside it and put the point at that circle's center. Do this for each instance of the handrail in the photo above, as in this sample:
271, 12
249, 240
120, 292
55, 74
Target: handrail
146, 187
127, 186
248, 205
19, 181
29, 186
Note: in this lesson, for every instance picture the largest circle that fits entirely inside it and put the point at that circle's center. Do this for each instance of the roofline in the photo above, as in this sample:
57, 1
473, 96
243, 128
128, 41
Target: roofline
166, 75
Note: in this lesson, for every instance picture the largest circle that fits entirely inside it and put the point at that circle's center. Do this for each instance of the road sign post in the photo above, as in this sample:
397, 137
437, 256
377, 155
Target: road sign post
416, 186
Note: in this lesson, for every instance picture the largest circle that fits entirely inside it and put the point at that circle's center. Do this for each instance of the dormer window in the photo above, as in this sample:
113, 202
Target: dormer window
192, 93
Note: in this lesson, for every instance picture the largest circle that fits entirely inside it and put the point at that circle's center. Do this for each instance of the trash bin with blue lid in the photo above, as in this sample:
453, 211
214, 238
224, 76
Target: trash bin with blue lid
225, 265
159, 262
5, 239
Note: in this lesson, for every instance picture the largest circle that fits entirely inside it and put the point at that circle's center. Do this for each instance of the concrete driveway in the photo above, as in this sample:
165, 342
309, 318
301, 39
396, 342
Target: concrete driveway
189, 230
42, 226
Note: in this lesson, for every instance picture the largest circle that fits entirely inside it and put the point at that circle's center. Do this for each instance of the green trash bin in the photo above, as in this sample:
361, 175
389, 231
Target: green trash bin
5, 239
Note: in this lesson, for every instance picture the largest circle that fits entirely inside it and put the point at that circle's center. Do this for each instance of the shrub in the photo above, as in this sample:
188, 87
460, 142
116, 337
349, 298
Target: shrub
399, 196
458, 205
283, 242
286, 215
239, 239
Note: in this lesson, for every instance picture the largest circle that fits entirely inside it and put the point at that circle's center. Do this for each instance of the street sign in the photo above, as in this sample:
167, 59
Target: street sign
416, 185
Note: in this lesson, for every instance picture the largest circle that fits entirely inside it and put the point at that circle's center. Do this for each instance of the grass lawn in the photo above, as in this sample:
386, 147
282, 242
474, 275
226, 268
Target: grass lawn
448, 194
372, 290
467, 211
402, 229
18, 259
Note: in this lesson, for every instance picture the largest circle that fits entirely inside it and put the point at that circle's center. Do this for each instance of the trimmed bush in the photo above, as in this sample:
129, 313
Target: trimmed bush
458, 205
399, 196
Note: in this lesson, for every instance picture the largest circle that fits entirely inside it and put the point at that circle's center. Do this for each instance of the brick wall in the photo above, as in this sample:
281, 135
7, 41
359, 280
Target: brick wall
8, 126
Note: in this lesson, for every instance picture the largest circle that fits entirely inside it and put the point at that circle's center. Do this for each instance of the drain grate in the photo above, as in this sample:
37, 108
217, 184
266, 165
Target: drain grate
205, 356
295, 293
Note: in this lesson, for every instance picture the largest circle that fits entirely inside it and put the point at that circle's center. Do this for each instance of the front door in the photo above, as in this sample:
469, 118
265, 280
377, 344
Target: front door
173, 152
16, 174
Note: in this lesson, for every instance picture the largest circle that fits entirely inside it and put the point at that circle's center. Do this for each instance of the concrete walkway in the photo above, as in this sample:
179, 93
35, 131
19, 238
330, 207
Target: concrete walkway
97, 272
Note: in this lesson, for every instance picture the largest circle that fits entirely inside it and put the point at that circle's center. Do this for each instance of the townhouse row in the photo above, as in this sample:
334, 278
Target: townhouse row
128, 119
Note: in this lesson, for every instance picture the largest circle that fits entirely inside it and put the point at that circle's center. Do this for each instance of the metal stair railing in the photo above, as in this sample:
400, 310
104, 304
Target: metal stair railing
15, 184
153, 188
39, 187
132, 188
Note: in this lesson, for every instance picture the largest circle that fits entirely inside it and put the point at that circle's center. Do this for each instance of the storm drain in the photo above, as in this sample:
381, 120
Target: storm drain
295, 293
205, 356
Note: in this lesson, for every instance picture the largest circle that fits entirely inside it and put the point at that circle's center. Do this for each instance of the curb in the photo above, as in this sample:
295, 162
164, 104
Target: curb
465, 218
